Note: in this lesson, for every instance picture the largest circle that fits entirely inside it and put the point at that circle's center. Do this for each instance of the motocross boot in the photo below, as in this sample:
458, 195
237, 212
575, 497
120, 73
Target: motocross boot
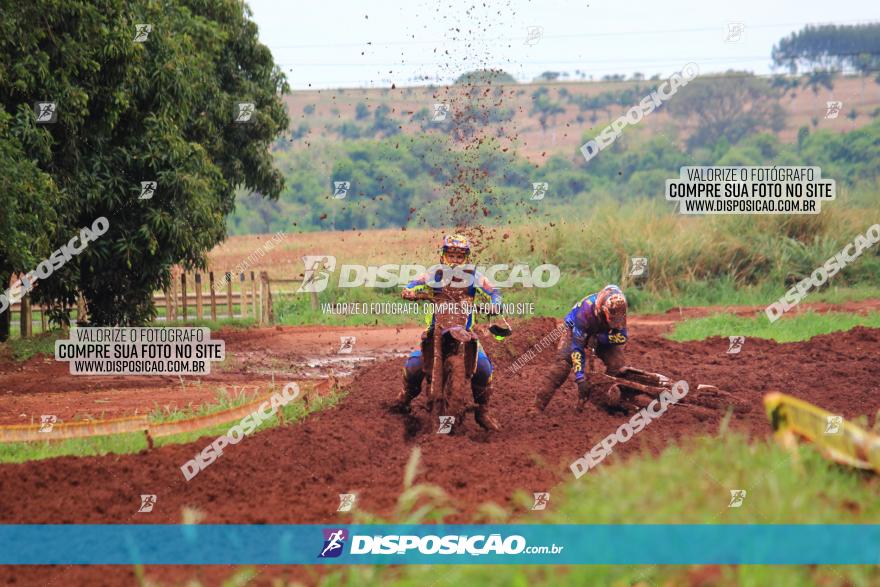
483, 415
583, 394
557, 375
411, 388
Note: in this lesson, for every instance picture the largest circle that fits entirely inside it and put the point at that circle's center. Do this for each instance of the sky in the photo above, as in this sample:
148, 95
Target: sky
333, 44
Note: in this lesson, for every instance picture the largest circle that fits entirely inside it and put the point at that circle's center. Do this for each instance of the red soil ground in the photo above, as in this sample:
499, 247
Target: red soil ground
294, 474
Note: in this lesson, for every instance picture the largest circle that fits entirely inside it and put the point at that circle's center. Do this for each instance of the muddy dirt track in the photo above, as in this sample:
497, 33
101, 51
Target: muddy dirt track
294, 474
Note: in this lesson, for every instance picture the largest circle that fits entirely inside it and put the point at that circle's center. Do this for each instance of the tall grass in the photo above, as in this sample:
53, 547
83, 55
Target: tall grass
687, 484
738, 259
795, 328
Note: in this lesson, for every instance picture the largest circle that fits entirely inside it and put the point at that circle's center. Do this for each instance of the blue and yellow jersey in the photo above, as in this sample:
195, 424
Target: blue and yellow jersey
480, 291
585, 321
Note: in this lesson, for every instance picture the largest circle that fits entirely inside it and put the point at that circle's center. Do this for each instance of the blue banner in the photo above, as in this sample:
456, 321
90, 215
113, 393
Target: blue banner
540, 544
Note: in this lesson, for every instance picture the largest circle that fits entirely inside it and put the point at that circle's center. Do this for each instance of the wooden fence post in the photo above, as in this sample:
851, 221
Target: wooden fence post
172, 305
25, 326
243, 288
44, 320
265, 299
183, 294
6, 324
80, 309
314, 297
254, 295
271, 305
229, 295
213, 296
198, 280
167, 293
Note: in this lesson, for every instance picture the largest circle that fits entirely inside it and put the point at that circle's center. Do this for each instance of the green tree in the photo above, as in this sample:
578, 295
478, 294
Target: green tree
29, 199
830, 47
544, 107
162, 110
482, 77
815, 79
732, 106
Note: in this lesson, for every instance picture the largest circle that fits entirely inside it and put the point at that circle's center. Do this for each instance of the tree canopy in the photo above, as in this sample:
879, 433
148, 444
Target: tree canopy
830, 47
161, 109
485, 76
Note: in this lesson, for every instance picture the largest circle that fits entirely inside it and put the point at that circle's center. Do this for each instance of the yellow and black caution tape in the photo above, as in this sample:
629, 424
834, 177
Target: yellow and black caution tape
837, 439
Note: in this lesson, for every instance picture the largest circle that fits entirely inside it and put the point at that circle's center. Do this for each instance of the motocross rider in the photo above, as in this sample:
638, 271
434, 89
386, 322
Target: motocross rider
598, 321
455, 251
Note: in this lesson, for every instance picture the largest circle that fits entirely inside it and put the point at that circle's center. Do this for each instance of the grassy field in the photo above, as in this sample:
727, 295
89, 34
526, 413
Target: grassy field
800, 327
736, 260
692, 261
732, 260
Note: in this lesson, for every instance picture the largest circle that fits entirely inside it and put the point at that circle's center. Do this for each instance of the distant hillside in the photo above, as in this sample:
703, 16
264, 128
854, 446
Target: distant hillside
352, 113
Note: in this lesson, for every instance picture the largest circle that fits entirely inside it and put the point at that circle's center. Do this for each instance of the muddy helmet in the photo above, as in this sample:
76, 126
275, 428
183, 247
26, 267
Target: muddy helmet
456, 243
611, 304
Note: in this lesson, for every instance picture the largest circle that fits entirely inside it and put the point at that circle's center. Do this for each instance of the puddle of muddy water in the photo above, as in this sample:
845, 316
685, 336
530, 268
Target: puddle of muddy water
342, 365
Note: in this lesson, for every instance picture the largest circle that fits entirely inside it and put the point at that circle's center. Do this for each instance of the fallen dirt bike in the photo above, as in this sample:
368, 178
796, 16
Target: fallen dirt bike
637, 389
450, 356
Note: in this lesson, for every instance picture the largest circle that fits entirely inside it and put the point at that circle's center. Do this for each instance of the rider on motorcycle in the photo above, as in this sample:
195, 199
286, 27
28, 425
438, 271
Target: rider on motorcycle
455, 252
598, 320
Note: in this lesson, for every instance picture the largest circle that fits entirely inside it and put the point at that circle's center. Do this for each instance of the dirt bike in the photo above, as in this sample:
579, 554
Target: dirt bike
635, 389
449, 353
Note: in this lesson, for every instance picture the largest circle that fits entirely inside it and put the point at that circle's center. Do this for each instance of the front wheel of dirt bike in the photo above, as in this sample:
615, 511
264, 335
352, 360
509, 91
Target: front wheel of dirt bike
456, 390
